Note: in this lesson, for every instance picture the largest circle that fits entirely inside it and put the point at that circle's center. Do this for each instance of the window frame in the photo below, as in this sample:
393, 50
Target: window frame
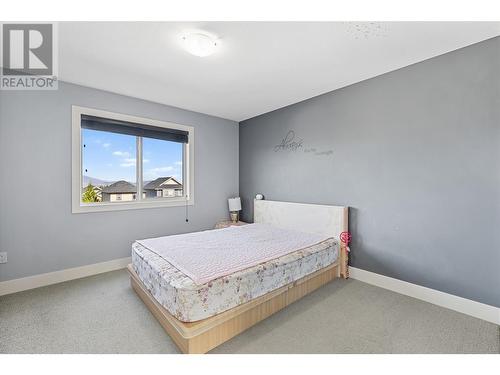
76, 168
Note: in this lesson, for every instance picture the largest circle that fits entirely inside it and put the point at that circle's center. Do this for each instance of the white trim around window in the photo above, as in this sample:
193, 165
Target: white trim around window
76, 190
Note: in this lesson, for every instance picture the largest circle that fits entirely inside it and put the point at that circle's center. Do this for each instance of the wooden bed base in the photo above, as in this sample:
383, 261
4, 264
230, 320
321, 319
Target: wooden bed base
206, 334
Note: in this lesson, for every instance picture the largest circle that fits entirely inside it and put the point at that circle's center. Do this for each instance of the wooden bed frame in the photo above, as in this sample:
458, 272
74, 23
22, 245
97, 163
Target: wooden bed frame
204, 335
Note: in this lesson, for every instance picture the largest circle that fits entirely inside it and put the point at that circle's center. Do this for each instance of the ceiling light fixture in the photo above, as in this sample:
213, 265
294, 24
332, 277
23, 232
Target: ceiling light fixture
199, 44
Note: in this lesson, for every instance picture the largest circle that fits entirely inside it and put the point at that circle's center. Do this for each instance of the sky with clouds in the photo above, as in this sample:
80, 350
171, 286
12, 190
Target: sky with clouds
112, 157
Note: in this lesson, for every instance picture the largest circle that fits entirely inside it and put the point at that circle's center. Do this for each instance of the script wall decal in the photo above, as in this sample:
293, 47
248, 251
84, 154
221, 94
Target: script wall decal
292, 143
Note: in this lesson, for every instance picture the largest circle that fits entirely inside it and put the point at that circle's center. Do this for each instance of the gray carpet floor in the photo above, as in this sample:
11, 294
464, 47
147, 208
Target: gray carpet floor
101, 314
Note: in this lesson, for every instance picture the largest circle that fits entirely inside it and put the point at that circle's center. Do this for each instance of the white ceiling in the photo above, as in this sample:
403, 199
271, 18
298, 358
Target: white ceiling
259, 66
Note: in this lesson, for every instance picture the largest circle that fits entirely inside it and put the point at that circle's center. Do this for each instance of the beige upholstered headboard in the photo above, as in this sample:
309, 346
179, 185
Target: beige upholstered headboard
312, 218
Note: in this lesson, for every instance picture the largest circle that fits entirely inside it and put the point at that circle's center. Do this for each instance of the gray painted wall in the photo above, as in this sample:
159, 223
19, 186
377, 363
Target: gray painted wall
416, 154
37, 227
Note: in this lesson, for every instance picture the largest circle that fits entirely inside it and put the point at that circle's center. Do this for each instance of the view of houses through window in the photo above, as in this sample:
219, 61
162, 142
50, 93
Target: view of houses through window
109, 167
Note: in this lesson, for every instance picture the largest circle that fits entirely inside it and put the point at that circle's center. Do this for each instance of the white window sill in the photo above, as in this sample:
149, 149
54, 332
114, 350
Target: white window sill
120, 206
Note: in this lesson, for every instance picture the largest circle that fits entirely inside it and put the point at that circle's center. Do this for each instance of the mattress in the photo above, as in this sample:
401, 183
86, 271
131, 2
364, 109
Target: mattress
189, 302
208, 255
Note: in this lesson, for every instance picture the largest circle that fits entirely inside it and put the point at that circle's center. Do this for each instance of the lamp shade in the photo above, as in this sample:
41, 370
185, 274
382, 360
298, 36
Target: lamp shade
234, 204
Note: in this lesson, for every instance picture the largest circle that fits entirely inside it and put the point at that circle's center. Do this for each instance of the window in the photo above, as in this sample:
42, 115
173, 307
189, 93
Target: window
126, 162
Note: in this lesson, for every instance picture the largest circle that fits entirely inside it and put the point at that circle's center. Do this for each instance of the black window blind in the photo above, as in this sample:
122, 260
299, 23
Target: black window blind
132, 128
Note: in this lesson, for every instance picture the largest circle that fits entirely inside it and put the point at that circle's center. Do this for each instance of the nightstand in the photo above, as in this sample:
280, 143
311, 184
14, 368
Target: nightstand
228, 223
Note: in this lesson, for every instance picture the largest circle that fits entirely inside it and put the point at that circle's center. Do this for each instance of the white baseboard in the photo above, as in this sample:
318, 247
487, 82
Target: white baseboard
450, 301
44, 279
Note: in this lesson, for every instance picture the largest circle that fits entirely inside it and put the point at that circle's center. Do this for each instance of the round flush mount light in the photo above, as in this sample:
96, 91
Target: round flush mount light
199, 44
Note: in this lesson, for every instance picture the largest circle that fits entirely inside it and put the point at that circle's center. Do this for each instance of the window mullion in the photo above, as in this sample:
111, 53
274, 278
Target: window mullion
139, 169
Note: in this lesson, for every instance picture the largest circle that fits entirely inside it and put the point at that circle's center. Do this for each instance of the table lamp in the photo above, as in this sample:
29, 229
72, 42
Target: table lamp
234, 208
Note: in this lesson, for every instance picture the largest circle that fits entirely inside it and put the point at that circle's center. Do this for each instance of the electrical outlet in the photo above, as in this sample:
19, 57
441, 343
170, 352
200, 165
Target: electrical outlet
3, 257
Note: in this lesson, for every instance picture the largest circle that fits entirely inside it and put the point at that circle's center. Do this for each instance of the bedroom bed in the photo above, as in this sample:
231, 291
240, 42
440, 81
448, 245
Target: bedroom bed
206, 287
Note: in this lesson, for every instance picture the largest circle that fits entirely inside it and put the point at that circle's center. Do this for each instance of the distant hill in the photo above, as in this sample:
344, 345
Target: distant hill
94, 181
98, 182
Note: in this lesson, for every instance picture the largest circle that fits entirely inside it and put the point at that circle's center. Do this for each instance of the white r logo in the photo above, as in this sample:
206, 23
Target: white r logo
17, 51
28, 49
